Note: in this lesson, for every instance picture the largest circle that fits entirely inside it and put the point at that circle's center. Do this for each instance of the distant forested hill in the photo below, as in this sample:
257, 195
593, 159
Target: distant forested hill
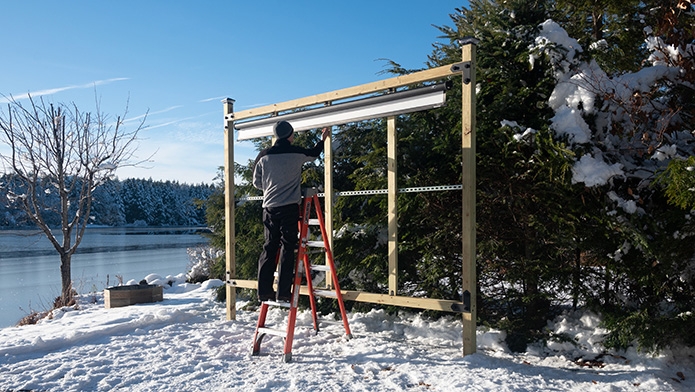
118, 203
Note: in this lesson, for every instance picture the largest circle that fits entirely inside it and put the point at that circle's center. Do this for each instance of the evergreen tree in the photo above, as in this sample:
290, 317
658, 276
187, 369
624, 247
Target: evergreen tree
527, 206
360, 221
600, 27
107, 208
630, 124
117, 203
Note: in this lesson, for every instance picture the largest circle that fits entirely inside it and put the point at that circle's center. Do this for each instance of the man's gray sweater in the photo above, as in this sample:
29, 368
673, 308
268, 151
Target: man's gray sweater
278, 172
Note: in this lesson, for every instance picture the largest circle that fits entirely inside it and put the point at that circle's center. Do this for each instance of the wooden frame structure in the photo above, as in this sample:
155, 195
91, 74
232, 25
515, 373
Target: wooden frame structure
468, 306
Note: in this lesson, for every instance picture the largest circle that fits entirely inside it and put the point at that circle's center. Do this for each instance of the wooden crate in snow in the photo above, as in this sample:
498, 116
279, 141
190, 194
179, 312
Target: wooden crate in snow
118, 296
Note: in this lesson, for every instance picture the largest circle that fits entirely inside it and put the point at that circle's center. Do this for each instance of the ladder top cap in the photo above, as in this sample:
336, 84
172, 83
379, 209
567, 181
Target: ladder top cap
308, 192
468, 40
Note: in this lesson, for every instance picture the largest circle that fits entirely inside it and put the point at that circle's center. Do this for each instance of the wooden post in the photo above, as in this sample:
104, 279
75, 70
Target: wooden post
468, 201
229, 232
328, 198
392, 168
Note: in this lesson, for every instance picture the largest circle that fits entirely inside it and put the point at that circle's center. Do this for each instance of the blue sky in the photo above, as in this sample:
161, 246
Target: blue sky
179, 59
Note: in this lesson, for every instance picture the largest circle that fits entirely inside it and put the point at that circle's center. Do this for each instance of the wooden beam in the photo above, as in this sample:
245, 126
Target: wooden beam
468, 202
392, 167
443, 305
350, 92
328, 198
229, 232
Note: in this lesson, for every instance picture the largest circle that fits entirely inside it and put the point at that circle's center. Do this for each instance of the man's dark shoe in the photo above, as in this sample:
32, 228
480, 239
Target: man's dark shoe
266, 297
283, 298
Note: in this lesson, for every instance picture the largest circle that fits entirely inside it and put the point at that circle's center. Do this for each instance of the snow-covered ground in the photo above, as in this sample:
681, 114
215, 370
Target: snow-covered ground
185, 344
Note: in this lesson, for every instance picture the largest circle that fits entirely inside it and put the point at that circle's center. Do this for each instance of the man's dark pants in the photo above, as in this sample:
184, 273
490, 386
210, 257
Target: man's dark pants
281, 228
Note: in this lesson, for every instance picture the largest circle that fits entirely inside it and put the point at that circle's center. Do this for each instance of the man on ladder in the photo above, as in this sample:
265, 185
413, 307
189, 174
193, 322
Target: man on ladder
278, 172
310, 202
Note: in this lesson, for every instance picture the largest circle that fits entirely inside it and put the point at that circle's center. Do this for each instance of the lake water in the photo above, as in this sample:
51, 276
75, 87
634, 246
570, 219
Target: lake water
30, 266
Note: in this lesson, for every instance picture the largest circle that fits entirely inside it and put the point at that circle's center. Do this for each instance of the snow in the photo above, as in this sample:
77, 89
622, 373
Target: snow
552, 34
592, 171
629, 206
579, 90
586, 92
185, 343
570, 122
662, 53
524, 134
666, 152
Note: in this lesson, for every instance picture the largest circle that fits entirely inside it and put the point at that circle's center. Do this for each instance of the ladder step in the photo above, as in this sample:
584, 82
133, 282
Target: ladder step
314, 222
272, 331
276, 303
324, 323
326, 293
316, 244
320, 268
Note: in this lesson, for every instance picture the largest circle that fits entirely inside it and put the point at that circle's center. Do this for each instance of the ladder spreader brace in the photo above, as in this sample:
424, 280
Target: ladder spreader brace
310, 199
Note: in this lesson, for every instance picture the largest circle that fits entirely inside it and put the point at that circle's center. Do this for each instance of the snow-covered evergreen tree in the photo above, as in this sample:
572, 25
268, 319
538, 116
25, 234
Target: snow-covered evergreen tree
627, 128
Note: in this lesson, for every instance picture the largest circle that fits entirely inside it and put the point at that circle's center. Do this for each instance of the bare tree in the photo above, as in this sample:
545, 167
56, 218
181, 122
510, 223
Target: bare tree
58, 148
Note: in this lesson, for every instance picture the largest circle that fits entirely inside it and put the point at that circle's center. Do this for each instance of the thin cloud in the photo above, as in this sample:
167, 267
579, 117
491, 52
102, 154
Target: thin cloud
178, 121
50, 91
150, 127
213, 99
148, 114
170, 108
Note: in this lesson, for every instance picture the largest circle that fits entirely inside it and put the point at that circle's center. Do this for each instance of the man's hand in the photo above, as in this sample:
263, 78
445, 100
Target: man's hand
325, 132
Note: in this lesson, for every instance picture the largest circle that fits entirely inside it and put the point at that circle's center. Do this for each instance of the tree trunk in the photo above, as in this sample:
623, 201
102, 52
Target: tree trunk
66, 294
537, 307
606, 288
597, 25
576, 277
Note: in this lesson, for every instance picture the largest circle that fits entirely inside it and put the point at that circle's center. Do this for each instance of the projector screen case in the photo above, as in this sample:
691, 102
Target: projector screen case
386, 105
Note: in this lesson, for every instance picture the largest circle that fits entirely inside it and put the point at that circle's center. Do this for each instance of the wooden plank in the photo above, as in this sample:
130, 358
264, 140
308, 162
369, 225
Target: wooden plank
328, 198
244, 284
229, 232
392, 179
443, 305
468, 201
350, 92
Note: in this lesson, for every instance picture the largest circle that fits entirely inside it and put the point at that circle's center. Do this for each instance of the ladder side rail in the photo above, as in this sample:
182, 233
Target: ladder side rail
301, 252
291, 321
305, 222
331, 263
310, 288
258, 336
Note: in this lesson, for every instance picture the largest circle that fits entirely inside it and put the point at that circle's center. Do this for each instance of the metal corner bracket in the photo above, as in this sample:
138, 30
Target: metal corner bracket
465, 68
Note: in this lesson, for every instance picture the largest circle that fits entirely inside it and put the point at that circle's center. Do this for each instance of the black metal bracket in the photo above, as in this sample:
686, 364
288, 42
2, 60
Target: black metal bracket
468, 41
464, 307
465, 68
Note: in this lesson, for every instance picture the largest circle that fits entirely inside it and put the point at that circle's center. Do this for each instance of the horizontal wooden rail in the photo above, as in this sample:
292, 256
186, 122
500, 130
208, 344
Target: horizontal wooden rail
350, 92
443, 305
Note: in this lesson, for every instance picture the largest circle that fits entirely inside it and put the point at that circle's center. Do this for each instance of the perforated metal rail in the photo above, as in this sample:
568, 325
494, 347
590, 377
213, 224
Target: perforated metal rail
436, 188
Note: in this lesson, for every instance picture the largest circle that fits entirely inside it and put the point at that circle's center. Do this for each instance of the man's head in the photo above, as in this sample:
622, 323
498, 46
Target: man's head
283, 130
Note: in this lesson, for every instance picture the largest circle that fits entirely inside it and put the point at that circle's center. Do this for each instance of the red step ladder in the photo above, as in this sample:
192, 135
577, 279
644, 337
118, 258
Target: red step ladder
303, 264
